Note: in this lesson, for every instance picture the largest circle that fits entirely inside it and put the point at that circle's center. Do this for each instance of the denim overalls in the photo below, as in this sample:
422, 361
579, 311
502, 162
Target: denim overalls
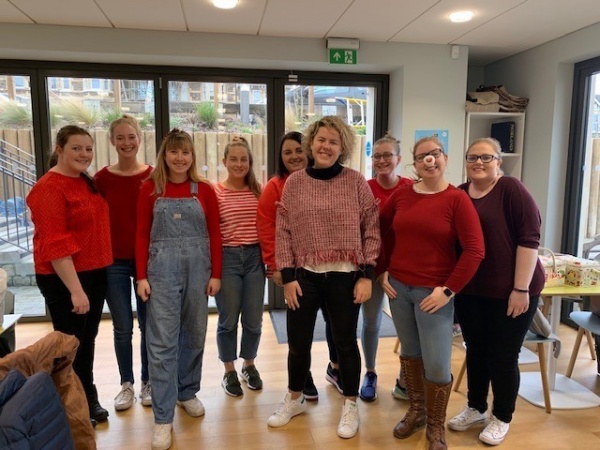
179, 269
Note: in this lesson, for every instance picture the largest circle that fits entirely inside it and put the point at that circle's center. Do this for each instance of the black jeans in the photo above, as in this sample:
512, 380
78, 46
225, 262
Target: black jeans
335, 290
493, 343
83, 326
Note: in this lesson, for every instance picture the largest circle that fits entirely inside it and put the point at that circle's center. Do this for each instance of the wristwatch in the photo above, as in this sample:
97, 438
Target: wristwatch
448, 293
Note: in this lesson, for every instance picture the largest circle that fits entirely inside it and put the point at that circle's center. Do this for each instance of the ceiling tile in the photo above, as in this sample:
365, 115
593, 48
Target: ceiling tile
202, 16
64, 12
379, 20
296, 18
144, 14
10, 14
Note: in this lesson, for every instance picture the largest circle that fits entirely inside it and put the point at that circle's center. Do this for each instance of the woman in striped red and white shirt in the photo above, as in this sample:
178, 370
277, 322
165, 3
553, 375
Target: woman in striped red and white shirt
243, 281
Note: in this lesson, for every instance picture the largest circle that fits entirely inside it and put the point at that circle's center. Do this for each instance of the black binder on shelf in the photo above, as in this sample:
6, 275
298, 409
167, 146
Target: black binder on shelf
504, 132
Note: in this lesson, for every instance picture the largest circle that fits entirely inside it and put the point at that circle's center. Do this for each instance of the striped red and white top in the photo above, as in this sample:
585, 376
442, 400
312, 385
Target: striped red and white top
238, 216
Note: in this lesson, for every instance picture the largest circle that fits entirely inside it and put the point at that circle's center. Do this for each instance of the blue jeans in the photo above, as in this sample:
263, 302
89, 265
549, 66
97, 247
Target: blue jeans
118, 298
422, 334
242, 292
369, 336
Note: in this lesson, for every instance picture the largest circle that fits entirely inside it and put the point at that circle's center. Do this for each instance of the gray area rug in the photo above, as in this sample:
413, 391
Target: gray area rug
279, 324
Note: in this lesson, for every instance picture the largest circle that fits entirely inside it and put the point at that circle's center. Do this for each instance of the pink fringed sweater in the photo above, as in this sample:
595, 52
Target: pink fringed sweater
327, 220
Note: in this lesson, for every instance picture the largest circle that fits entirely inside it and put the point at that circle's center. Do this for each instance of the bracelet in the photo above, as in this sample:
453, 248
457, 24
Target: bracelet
525, 291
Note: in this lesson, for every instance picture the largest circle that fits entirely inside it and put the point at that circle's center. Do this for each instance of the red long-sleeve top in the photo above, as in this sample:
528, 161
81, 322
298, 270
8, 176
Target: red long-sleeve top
427, 229
70, 220
265, 220
145, 210
121, 193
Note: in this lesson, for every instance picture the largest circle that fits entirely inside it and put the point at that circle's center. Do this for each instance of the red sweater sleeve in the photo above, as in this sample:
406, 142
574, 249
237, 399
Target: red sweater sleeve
208, 200
266, 220
145, 206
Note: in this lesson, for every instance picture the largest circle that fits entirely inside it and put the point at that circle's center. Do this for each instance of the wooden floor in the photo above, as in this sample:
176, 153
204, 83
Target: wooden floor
241, 423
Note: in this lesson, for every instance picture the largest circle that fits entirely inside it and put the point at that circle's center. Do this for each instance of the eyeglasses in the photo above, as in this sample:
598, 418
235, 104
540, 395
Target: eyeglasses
385, 156
484, 158
436, 153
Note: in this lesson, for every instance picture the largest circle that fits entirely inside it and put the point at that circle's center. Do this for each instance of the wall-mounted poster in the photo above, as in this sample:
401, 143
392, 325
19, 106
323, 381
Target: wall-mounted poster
442, 135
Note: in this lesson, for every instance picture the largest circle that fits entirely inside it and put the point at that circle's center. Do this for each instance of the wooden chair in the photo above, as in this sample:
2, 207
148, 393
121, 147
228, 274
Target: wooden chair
588, 322
530, 338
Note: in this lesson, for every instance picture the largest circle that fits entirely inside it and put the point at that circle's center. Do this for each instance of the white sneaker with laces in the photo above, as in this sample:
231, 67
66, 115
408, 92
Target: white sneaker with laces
349, 422
161, 438
287, 409
146, 393
124, 399
495, 432
193, 406
466, 418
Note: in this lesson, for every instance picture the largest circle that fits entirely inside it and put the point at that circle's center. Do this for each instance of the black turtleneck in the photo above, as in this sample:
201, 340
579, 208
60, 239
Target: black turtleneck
325, 174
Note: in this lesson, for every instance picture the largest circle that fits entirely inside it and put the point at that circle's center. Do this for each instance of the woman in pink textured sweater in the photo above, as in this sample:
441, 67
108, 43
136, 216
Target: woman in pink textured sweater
327, 244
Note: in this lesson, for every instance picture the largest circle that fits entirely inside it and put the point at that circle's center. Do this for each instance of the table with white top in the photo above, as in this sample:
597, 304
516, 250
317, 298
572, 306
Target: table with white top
564, 392
9, 321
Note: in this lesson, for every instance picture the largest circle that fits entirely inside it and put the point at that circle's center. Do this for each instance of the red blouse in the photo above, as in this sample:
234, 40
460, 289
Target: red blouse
70, 220
121, 192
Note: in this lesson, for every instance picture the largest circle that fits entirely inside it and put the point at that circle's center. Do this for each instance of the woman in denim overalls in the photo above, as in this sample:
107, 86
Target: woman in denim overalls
178, 255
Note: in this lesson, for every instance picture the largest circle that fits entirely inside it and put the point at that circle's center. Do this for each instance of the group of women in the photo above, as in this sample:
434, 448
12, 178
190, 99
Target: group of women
333, 242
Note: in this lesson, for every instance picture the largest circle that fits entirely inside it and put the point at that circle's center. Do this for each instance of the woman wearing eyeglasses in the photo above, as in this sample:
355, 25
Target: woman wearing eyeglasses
496, 307
422, 224
386, 157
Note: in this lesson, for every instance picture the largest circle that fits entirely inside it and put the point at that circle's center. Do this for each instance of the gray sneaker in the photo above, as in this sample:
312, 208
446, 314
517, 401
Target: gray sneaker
231, 384
146, 393
251, 376
125, 398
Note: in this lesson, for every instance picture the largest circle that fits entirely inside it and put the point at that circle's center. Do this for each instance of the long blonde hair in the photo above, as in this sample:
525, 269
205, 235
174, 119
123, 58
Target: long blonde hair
250, 178
175, 139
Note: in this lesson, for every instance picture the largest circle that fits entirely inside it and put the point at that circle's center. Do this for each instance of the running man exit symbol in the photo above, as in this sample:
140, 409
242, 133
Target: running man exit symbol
342, 56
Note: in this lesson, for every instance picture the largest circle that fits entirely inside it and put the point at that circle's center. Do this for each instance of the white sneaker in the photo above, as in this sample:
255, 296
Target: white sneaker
124, 399
348, 426
287, 409
495, 432
193, 407
161, 438
146, 393
466, 418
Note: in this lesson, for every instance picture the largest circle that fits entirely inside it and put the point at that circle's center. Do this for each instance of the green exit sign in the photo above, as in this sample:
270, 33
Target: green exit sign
342, 56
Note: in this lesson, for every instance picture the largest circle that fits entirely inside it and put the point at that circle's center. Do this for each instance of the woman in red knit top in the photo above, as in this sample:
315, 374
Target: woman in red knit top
178, 261
120, 185
422, 225
327, 245
72, 250
243, 269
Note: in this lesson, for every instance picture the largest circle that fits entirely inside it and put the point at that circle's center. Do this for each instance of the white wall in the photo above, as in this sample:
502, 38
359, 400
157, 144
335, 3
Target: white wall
427, 87
545, 75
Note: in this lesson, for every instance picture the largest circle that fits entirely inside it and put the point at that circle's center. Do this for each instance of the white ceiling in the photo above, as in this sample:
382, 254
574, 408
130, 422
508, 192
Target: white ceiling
500, 28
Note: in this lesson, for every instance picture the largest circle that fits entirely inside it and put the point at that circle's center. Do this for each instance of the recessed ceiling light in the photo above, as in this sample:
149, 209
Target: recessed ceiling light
225, 4
461, 16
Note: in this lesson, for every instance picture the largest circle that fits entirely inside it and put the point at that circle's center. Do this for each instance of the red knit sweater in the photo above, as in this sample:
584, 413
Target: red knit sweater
145, 210
121, 193
427, 229
70, 220
321, 221
266, 219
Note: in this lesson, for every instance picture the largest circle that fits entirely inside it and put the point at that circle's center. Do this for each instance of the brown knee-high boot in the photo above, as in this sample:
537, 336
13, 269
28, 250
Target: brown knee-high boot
436, 399
415, 416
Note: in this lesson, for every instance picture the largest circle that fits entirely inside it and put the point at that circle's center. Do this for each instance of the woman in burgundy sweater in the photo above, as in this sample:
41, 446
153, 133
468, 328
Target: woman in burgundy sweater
71, 250
120, 185
425, 222
496, 307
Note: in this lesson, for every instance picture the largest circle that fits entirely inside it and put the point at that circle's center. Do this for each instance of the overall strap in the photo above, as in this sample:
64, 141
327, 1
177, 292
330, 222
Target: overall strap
193, 188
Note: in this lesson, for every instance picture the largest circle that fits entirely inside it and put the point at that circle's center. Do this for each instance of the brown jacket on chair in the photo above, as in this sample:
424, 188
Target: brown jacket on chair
54, 355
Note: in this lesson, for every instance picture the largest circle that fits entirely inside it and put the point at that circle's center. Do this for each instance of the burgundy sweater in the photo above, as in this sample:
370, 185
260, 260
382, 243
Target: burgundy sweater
509, 218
